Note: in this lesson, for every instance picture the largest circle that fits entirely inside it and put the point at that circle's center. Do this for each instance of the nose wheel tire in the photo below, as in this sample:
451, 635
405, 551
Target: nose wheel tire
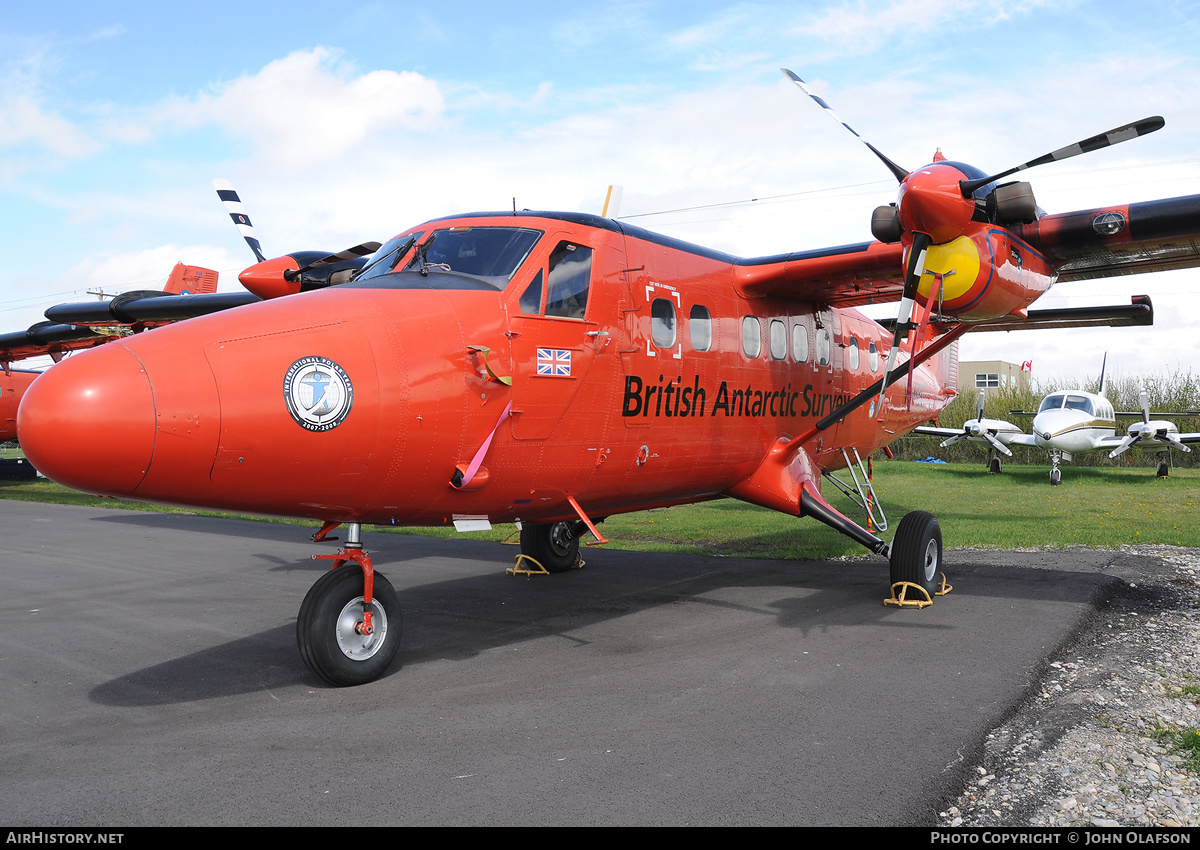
553, 545
330, 631
916, 552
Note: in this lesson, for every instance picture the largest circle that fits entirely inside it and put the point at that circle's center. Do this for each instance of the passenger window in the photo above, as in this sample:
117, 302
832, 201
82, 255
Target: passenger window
662, 323
751, 337
852, 352
873, 356
778, 340
531, 298
700, 326
800, 343
822, 346
568, 281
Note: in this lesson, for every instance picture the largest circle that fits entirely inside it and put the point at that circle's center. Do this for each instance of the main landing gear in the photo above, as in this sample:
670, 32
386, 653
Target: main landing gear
1164, 464
554, 545
348, 628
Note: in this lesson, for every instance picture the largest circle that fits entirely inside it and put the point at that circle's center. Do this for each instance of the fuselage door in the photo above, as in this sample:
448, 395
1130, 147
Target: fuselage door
558, 324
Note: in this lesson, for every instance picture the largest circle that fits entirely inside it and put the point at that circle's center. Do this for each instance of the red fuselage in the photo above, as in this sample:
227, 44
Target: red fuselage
358, 402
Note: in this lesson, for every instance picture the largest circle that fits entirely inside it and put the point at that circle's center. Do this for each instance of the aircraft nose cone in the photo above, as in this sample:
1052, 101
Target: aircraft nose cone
88, 422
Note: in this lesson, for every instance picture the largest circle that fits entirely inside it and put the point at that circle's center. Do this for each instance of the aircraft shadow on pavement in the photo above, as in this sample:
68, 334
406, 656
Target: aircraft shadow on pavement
461, 617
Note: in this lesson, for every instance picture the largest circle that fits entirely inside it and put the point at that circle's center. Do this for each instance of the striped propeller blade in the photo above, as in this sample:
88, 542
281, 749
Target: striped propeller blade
1093, 143
237, 212
899, 172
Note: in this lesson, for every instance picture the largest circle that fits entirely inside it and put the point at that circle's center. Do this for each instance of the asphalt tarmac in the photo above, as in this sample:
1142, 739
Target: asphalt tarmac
151, 677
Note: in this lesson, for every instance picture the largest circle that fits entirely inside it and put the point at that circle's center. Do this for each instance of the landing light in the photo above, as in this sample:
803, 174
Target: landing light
1109, 223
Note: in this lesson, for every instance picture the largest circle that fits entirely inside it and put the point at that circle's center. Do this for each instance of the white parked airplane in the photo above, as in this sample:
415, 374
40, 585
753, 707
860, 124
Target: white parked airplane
1071, 422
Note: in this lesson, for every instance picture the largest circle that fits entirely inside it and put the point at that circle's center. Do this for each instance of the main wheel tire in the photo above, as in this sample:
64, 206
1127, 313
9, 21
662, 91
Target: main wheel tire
553, 545
994, 466
916, 553
1056, 476
1164, 471
326, 627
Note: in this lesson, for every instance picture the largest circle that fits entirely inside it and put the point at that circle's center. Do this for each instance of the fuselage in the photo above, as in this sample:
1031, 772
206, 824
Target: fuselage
1073, 422
540, 357
13, 385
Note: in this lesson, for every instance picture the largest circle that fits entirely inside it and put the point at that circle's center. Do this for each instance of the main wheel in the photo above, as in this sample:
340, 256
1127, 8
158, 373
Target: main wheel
994, 467
329, 627
916, 553
1055, 476
553, 545
1164, 470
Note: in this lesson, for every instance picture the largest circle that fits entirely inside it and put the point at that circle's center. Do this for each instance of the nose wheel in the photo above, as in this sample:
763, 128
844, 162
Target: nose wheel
344, 639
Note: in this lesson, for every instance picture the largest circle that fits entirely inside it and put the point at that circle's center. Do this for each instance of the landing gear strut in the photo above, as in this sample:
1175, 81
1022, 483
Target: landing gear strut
348, 628
1055, 472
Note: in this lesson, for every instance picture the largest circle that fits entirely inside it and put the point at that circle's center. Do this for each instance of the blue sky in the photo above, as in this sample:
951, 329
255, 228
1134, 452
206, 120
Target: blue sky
344, 123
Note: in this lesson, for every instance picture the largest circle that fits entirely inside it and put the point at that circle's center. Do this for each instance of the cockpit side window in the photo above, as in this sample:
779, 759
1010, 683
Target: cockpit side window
1079, 402
531, 298
568, 281
1051, 402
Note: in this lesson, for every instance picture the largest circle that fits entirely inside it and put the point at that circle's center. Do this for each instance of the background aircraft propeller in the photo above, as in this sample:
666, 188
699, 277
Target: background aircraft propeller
237, 212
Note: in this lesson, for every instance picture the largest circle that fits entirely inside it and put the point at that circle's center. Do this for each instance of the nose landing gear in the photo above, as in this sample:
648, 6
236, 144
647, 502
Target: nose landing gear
349, 626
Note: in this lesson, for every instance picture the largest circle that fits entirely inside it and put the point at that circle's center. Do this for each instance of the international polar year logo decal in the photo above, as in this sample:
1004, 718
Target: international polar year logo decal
318, 393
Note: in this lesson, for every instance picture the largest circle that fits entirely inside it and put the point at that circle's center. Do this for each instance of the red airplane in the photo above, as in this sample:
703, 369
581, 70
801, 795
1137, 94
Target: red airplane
79, 326
552, 369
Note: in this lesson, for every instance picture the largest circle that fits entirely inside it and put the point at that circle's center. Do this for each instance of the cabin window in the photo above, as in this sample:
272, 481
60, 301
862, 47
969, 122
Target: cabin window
700, 326
569, 278
873, 356
662, 323
800, 343
778, 340
823, 346
852, 352
531, 298
751, 336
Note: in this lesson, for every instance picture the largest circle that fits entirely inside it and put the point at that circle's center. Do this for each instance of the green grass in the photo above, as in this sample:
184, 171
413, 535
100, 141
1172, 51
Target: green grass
1181, 740
1094, 506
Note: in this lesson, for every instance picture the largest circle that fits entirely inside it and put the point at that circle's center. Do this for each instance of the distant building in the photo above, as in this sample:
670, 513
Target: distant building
976, 375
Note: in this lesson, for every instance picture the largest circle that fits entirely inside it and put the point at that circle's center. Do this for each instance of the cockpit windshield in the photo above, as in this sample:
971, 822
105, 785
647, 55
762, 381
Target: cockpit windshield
1069, 401
460, 257
1051, 402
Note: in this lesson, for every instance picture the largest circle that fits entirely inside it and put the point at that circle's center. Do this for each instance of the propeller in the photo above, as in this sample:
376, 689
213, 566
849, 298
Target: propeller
975, 429
237, 212
936, 205
349, 254
897, 170
1093, 143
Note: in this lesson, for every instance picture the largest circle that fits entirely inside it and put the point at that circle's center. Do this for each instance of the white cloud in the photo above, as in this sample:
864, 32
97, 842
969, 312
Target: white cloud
305, 110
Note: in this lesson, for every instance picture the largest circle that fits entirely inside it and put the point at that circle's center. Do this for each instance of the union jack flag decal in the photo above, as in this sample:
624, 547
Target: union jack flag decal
554, 362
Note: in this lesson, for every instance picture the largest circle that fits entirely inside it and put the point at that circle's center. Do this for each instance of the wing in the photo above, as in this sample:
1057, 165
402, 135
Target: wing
1136, 238
1152, 236
930, 431
846, 276
72, 327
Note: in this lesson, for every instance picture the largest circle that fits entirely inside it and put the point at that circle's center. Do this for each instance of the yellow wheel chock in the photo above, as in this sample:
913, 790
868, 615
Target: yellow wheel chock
537, 569
900, 594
